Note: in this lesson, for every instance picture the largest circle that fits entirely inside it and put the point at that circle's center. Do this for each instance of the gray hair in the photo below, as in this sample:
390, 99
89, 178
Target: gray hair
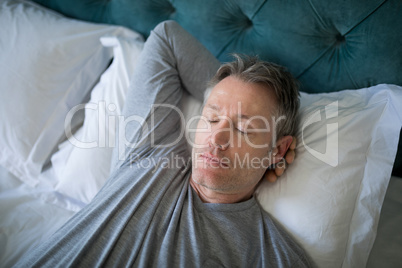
276, 77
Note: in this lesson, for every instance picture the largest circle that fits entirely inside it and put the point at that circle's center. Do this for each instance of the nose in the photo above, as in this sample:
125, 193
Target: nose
220, 137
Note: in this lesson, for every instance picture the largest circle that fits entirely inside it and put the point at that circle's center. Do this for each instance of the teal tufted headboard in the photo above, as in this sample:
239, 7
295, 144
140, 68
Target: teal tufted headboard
327, 45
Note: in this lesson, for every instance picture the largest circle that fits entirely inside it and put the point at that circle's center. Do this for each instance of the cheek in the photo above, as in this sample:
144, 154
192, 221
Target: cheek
201, 133
258, 144
256, 150
199, 139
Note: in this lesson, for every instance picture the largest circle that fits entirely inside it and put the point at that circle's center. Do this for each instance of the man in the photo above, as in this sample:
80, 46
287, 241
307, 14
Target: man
181, 215
246, 95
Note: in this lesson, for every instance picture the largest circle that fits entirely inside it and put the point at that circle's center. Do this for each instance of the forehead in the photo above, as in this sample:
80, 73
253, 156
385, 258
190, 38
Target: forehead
232, 94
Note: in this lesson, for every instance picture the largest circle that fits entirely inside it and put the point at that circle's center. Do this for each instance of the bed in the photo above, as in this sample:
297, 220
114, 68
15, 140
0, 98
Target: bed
66, 67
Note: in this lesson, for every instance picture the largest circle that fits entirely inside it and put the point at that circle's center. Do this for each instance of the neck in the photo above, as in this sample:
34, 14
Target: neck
213, 196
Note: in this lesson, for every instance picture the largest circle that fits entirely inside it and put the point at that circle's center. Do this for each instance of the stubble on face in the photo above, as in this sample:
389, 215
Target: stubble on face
232, 178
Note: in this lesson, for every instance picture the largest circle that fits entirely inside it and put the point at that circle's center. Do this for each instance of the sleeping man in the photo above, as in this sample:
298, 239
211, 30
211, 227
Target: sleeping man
180, 213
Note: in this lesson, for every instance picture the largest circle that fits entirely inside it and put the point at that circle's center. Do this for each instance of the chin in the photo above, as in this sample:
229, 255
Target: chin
212, 179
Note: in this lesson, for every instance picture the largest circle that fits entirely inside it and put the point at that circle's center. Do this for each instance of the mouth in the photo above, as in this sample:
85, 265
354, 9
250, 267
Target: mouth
213, 160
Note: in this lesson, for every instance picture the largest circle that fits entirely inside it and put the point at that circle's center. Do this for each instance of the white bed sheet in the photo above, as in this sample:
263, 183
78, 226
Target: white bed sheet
26, 220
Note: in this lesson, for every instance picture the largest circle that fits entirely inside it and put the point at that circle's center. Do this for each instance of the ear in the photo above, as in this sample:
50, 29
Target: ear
281, 147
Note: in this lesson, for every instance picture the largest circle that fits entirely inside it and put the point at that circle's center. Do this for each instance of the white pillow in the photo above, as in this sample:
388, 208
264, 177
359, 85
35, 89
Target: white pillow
48, 64
330, 198
83, 162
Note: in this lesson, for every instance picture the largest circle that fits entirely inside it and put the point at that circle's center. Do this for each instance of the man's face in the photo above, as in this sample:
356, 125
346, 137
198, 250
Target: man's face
233, 141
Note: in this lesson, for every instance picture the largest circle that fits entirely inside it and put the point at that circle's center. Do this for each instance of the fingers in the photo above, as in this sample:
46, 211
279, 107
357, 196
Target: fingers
271, 176
293, 144
290, 156
280, 168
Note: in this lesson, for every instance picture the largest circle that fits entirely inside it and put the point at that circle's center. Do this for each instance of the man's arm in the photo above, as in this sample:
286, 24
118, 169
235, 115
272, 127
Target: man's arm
171, 60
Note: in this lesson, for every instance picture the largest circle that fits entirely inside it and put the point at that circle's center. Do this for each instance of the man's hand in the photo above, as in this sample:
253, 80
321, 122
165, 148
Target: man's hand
272, 174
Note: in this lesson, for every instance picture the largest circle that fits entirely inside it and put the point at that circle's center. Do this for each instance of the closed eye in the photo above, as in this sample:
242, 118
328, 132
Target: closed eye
241, 131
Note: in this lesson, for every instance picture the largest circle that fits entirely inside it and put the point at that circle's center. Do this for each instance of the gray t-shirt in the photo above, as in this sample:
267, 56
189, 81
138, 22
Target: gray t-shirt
147, 214
152, 218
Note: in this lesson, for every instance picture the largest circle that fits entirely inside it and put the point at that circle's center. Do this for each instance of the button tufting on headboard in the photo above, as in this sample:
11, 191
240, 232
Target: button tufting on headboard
361, 40
340, 38
239, 22
170, 10
247, 23
164, 8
